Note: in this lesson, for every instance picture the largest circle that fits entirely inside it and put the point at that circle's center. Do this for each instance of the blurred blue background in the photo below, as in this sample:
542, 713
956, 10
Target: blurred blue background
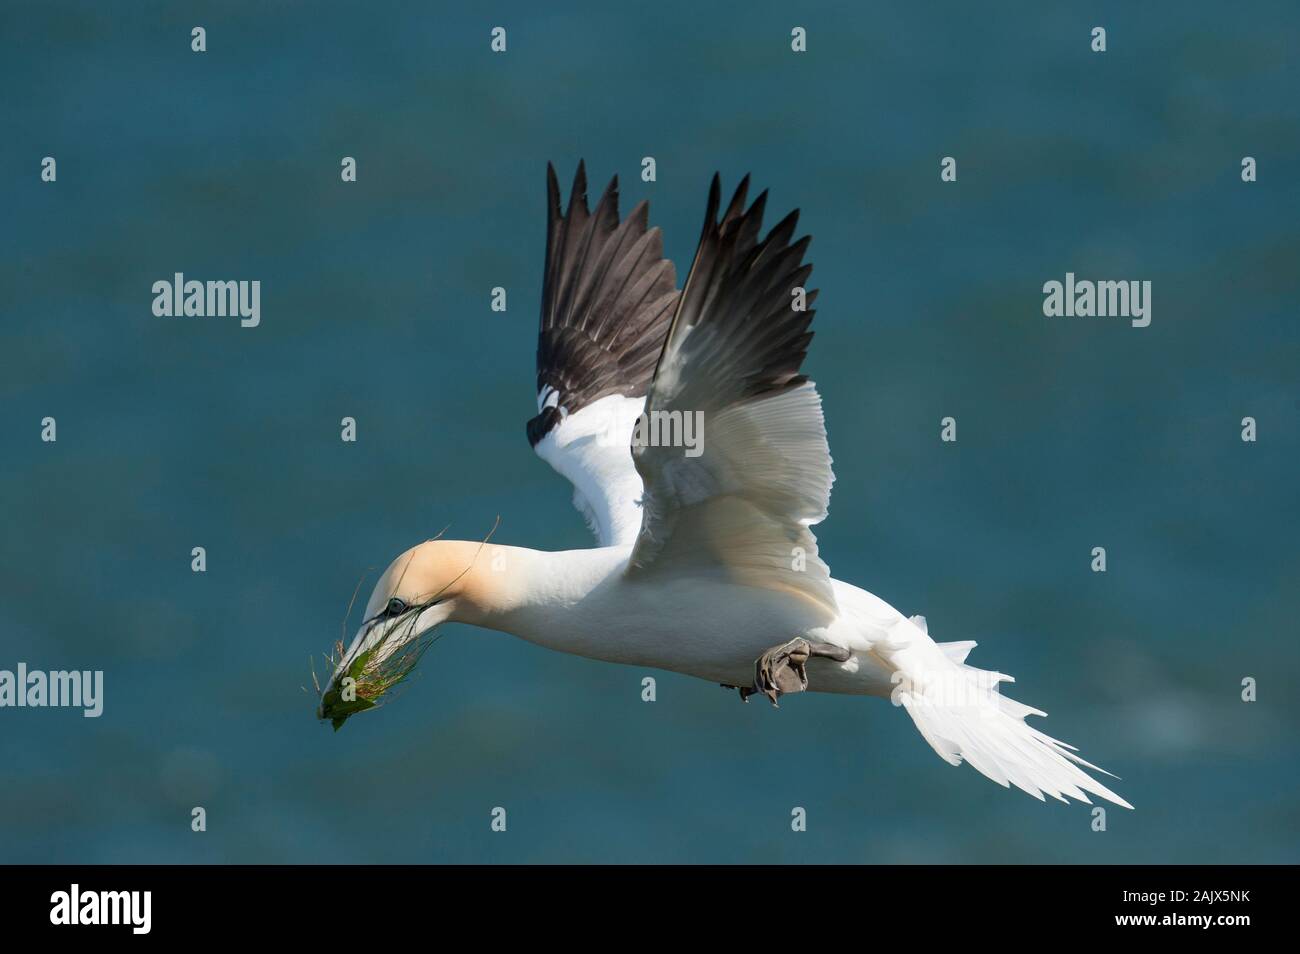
375, 304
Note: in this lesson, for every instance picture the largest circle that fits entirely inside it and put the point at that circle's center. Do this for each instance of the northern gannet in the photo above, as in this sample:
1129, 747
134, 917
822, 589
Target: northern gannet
706, 563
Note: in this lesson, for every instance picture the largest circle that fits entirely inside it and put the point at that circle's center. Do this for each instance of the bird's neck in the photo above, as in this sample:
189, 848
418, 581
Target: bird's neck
531, 593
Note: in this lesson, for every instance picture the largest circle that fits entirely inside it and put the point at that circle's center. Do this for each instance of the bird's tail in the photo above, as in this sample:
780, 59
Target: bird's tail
961, 713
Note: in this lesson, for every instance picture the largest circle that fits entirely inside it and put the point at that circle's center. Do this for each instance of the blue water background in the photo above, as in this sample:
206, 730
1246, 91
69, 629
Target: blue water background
1072, 433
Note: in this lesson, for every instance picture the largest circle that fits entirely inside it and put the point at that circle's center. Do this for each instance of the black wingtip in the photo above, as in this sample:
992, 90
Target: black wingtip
579, 191
737, 205
611, 190
715, 200
607, 206
784, 230
640, 214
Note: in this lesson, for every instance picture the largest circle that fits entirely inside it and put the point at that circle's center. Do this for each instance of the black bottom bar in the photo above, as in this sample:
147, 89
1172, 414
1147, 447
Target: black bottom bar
926, 903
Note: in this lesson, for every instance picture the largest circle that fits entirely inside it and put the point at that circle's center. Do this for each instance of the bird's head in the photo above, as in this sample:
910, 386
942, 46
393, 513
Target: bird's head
429, 584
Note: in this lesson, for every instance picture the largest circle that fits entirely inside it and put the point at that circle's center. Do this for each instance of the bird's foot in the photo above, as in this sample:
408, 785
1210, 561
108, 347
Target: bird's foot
782, 668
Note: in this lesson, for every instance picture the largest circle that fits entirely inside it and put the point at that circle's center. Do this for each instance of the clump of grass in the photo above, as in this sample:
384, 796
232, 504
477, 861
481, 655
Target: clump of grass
374, 673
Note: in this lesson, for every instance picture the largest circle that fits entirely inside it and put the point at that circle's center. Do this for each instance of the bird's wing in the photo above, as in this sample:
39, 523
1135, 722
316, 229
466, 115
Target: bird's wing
608, 296
740, 502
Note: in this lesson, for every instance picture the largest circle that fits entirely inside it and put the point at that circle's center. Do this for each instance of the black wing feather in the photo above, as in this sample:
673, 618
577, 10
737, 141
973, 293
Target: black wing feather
738, 296
608, 297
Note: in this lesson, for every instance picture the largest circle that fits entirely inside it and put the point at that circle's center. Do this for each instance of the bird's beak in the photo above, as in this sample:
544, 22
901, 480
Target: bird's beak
340, 698
382, 655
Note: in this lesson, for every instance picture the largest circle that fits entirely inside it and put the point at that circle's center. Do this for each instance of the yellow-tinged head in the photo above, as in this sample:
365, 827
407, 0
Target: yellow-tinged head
437, 581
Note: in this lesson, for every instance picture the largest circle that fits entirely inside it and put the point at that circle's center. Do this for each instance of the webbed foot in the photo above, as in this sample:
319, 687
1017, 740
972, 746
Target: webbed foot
782, 668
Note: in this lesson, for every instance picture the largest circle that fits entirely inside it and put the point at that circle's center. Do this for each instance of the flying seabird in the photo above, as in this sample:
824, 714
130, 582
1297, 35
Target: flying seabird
706, 563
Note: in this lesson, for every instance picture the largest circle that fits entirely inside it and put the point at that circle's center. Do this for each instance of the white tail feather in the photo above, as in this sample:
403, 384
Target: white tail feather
958, 651
962, 715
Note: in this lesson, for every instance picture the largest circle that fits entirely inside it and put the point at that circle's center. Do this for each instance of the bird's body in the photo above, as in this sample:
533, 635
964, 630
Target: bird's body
697, 452
584, 602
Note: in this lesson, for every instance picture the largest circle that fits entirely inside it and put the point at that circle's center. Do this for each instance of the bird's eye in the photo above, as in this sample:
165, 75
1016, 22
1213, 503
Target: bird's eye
395, 607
